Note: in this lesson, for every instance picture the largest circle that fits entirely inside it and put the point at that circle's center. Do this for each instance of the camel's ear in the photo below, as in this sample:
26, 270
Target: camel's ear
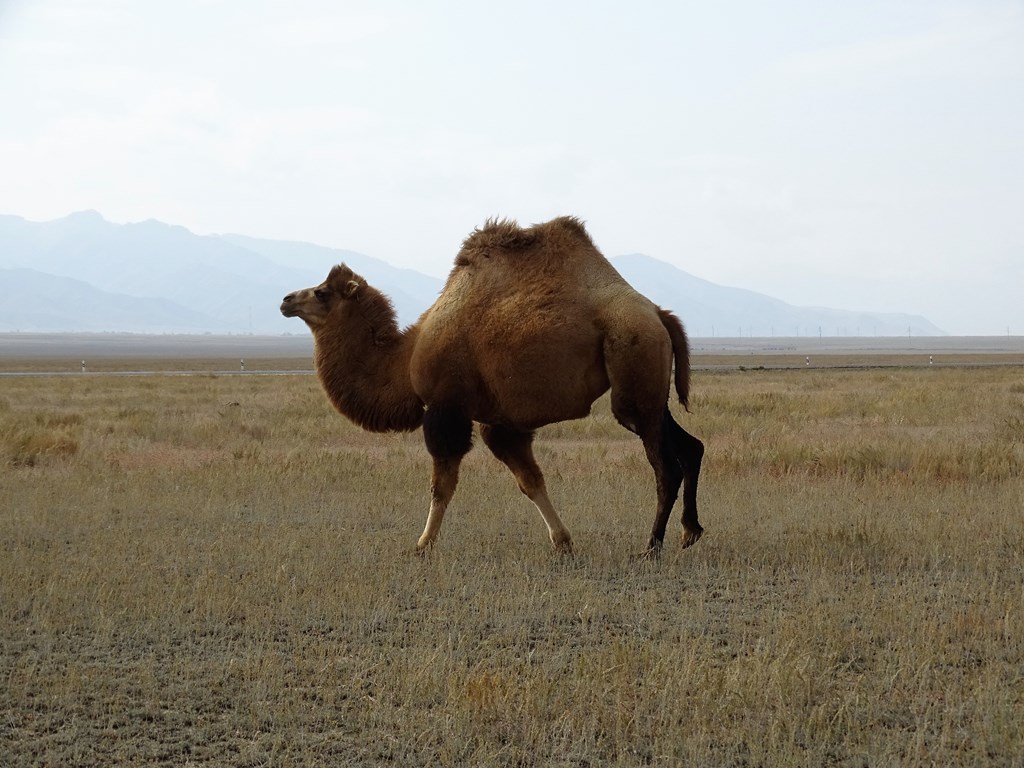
350, 289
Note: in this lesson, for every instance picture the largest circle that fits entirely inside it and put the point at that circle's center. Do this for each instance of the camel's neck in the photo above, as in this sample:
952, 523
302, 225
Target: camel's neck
367, 379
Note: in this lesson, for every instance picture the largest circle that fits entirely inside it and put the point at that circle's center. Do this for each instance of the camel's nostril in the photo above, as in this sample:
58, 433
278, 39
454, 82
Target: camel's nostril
289, 297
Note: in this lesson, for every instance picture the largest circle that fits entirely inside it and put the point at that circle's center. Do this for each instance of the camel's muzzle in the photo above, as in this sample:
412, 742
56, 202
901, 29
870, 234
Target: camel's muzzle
288, 307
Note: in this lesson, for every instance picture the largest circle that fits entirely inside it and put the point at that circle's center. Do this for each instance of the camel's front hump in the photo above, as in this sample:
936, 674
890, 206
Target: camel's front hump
525, 359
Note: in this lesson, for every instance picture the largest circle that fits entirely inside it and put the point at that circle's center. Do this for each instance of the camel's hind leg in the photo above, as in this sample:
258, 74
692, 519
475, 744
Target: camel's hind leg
688, 451
449, 436
675, 456
639, 404
515, 450
668, 475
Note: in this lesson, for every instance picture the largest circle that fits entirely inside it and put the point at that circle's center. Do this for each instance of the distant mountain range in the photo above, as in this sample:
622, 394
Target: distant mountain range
83, 273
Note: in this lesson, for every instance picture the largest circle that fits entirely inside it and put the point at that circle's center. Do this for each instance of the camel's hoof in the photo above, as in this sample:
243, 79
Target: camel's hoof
651, 554
563, 546
422, 550
690, 536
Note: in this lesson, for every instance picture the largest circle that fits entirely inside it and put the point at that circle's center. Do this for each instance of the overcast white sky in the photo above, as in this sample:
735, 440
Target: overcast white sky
862, 155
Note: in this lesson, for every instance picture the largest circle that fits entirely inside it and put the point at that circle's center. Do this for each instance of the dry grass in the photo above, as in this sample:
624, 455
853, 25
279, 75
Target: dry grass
217, 570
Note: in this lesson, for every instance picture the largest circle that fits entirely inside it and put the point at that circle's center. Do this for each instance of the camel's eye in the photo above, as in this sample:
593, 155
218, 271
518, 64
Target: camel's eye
321, 294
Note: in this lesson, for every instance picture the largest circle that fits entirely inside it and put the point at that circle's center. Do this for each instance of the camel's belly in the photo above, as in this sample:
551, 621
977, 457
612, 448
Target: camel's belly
532, 397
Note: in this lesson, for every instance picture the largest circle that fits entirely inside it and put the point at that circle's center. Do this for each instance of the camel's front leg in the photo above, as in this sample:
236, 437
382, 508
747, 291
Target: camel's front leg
442, 487
515, 449
448, 435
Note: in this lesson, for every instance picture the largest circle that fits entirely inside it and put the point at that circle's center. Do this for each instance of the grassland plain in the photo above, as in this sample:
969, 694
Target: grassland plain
218, 570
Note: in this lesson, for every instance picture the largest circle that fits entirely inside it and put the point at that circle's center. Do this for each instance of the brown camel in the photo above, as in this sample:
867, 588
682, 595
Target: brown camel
533, 325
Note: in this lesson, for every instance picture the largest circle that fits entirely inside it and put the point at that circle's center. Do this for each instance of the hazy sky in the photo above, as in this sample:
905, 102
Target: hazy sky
862, 155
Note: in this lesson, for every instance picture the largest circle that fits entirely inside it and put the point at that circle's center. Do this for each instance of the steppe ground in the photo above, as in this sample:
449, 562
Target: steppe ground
217, 569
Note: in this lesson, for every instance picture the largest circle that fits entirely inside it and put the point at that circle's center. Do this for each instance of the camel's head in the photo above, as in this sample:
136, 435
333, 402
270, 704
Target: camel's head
315, 305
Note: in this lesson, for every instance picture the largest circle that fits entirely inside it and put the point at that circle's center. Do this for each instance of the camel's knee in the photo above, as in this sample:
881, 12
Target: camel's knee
443, 480
531, 483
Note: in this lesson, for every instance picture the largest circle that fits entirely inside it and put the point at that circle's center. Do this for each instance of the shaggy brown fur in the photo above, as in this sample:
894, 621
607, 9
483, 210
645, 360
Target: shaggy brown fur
533, 325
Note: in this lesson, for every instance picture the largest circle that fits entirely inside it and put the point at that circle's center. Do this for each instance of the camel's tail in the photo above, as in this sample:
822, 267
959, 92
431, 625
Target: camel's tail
681, 351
